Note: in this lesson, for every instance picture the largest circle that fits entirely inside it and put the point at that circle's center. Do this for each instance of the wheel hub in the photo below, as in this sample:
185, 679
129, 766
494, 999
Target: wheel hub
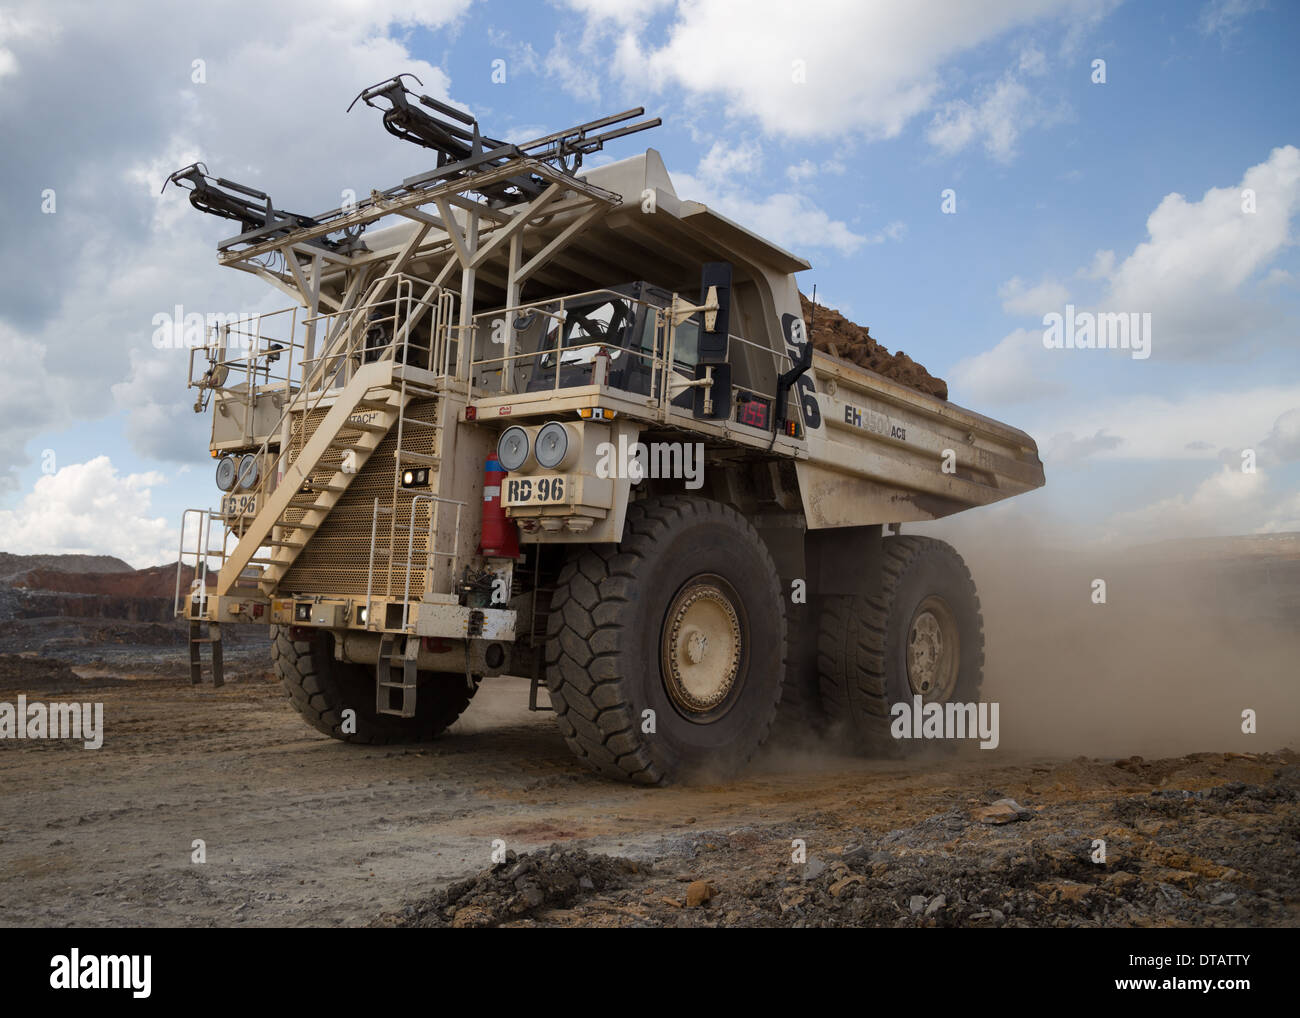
932, 651
703, 645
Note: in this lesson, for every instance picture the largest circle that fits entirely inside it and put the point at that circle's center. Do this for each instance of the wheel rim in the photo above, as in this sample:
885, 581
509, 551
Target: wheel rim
933, 651
703, 647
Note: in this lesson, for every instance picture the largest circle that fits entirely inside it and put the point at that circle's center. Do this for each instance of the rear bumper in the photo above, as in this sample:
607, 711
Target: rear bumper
434, 620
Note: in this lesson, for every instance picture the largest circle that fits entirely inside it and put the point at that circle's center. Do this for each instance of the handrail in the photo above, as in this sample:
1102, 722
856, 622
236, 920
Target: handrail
659, 357
431, 550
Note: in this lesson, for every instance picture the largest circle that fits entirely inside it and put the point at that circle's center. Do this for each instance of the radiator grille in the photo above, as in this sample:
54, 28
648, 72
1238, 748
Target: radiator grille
336, 556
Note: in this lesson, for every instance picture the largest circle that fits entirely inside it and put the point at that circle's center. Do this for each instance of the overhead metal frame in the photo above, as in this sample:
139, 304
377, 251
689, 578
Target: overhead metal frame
453, 227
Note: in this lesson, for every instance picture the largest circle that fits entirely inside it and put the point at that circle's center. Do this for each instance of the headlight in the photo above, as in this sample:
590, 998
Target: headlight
552, 445
226, 473
512, 448
248, 471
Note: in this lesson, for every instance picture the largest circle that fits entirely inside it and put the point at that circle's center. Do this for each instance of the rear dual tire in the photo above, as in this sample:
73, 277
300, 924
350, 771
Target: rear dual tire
922, 636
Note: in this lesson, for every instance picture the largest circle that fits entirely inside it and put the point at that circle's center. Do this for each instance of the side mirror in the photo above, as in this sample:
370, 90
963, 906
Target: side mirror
713, 341
713, 402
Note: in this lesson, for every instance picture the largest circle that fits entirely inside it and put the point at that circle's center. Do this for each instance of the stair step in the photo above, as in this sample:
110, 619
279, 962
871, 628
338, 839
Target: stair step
359, 426
284, 544
375, 404
424, 459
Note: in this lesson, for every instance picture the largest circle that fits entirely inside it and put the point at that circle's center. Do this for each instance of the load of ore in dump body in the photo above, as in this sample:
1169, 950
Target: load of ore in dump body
836, 335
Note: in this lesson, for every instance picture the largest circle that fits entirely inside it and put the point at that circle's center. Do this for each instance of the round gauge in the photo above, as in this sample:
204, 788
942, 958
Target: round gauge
226, 473
552, 445
248, 471
512, 448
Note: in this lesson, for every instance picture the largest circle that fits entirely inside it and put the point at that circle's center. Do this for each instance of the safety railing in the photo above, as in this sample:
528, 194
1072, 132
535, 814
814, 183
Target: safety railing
247, 358
431, 551
197, 524
661, 357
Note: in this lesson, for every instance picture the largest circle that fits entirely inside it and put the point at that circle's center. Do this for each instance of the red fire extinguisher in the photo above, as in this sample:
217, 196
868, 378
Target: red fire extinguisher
500, 537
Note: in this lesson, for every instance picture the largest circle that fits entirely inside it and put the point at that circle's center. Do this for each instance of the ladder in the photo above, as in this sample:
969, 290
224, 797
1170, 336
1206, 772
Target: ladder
541, 613
387, 686
213, 639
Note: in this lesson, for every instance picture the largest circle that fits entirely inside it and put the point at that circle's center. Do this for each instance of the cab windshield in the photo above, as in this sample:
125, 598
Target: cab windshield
600, 322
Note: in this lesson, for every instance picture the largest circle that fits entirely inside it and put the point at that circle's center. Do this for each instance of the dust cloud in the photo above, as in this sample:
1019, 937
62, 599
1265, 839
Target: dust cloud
1192, 633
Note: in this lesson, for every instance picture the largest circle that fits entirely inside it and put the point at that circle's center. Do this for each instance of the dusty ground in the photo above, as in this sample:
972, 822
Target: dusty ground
300, 830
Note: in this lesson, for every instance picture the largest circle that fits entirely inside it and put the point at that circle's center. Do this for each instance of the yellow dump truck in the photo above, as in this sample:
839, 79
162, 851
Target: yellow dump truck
533, 419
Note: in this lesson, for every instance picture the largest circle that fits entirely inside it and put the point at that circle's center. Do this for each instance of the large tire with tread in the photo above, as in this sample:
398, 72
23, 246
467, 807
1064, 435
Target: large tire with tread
922, 635
321, 688
684, 617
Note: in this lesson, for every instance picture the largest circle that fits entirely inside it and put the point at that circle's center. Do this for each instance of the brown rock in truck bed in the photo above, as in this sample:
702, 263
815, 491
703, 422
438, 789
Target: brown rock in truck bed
836, 335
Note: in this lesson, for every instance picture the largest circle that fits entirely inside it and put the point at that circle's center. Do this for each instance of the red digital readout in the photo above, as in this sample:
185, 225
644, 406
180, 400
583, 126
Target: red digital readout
752, 412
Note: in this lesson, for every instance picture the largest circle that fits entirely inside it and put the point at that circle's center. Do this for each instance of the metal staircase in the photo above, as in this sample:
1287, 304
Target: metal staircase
292, 506
297, 488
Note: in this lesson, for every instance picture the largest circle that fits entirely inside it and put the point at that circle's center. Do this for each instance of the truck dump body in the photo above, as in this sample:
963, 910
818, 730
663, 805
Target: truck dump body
881, 457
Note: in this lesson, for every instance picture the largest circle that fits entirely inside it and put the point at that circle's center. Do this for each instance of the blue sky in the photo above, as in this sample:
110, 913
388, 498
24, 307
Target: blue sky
833, 128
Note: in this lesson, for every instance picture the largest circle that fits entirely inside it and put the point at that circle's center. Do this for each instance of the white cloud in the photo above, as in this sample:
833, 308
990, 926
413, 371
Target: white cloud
571, 66
827, 66
1194, 425
1103, 264
29, 400
160, 418
792, 220
1221, 17
803, 170
1066, 448
727, 164
1012, 372
996, 119
1190, 271
1283, 441
624, 12
1033, 301
806, 170
1229, 501
78, 295
88, 508
1032, 62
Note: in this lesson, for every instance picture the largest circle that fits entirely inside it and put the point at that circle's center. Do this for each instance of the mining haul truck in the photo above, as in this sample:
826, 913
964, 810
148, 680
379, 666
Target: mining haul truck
525, 418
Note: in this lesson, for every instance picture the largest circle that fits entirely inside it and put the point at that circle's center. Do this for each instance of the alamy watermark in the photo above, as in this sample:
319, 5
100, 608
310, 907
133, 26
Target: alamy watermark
1103, 330
179, 330
84, 721
919, 720
75, 971
678, 460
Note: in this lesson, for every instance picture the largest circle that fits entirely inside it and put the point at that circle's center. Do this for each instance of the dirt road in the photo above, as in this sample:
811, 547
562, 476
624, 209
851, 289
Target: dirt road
300, 830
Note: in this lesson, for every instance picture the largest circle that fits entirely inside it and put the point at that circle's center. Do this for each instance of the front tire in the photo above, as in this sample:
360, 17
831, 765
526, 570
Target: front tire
683, 618
923, 636
321, 688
